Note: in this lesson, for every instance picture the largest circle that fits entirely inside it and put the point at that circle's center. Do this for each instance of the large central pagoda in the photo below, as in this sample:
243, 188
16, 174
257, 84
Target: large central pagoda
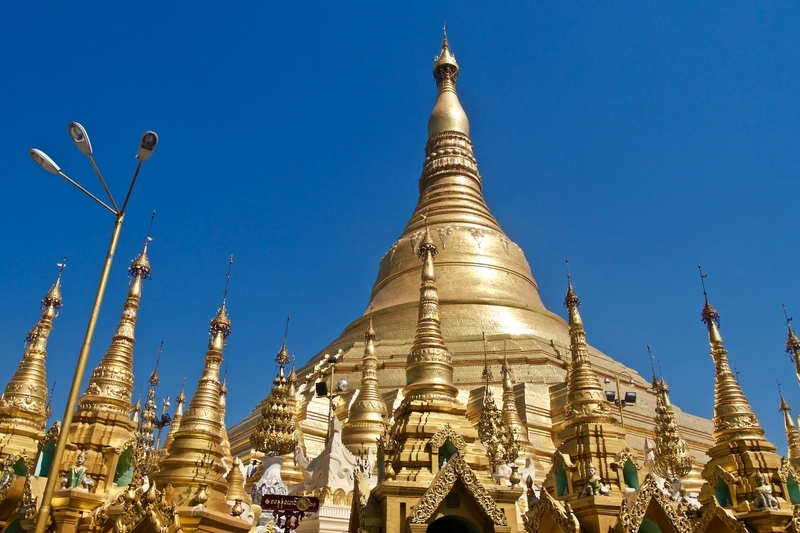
485, 287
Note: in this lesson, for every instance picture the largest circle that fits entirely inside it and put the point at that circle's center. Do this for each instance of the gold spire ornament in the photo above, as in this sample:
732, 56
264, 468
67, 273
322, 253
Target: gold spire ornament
111, 383
792, 345
511, 417
24, 404
490, 423
447, 115
672, 459
792, 435
193, 462
368, 413
175, 423
275, 432
585, 396
429, 367
733, 416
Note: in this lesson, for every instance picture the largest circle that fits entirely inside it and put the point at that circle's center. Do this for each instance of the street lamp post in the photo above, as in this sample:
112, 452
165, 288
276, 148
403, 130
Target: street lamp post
616, 398
324, 391
81, 140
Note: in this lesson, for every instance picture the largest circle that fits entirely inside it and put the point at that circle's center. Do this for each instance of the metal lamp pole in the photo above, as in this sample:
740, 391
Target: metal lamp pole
81, 140
619, 401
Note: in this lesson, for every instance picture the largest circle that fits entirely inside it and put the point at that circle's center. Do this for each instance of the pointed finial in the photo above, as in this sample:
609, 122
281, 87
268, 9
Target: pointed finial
444, 36
792, 342
571, 300
141, 265
50, 398
445, 68
370, 334
223, 387
221, 322
53, 296
181, 398
709, 314
154, 377
652, 365
283, 354
487, 372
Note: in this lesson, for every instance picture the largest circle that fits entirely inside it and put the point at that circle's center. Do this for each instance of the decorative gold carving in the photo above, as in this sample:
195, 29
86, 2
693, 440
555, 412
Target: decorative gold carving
456, 468
441, 436
275, 432
631, 515
713, 510
561, 514
627, 455
671, 458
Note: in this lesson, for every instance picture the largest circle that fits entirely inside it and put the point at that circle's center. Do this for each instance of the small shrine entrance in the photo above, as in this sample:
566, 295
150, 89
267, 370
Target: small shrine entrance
453, 524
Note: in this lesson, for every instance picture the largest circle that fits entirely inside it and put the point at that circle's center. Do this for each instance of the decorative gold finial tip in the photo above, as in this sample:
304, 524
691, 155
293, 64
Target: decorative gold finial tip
370, 334
445, 66
181, 398
709, 314
427, 246
223, 387
221, 323
283, 355
53, 297
141, 265
571, 299
784, 406
792, 342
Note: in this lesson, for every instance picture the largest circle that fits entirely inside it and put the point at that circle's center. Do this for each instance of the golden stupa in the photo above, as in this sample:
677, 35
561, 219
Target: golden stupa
410, 438
485, 287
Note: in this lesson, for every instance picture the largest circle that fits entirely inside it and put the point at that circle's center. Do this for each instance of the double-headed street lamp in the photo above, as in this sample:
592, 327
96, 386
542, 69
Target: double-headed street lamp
616, 397
81, 140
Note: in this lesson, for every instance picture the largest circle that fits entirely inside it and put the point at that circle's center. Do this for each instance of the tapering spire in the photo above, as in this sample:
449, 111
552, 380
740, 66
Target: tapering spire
145, 455
195, 453
24, 402
275, 432
792, 435
111, 383
511, 417
672, 460
223, 401
733, 417
176, 419
368, 417
490, 423
585, 396
429, 367
447, 115
792, 345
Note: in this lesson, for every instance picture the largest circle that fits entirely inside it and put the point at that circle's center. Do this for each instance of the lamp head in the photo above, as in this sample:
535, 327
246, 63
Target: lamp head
44, 161
321, 388
341, 385
611, 395
80, 138
630, 398
147, 145
606, 381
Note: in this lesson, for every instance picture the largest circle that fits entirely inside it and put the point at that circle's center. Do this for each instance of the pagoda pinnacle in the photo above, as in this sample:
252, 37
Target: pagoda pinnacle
585, 396
511, 417
24, 402
198, 440
429, 367
368, 414
672, 460
792, 345
111, 383
447, 115
733, 419
176, 419
792, 435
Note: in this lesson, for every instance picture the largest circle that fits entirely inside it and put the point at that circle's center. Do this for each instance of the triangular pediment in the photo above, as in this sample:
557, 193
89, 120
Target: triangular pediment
549, 515
717, 519
650, 502
456, 469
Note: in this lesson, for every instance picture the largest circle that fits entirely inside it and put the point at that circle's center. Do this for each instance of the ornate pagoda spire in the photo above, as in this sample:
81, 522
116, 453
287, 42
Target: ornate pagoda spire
792, 435
511, 417
275, 432
176, 419
792, 345
368, 414
733, 419
111, 383
447, 115
429, 367
145, 455
490, 424
223, 399
194, 456
585, 397
672, 460
24, 402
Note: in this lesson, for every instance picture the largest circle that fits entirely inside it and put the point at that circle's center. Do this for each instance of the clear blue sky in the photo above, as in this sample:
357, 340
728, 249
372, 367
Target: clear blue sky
635, 139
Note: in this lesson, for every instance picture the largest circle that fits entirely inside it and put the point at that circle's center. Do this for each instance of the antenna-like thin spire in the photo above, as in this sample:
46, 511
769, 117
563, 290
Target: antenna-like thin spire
227, 281
286, 333
569, 276
703, 281
63, 264
652, 366
487, 373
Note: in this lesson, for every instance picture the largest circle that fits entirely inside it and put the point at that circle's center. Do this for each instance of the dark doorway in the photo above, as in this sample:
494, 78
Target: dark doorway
453, 524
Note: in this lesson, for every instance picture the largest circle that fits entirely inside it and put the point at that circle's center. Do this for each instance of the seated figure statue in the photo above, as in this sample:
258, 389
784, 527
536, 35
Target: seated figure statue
764, 499
594, 485
76, 477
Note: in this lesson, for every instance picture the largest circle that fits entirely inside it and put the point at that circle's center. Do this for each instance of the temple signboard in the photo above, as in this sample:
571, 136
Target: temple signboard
289, 510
